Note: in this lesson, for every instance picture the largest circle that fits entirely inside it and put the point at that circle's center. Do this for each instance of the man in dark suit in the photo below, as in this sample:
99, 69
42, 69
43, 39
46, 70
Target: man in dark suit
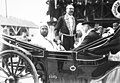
65, 32
65, 29
112, 45
92, 34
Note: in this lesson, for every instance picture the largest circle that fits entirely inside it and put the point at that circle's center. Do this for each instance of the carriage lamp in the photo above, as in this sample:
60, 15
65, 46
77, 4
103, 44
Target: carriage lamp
72, 68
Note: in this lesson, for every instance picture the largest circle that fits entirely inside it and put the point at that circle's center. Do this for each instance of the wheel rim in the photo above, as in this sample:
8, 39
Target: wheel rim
16, 68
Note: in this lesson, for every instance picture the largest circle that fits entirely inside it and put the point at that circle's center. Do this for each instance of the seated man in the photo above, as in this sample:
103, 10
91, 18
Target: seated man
41, 40
91, 35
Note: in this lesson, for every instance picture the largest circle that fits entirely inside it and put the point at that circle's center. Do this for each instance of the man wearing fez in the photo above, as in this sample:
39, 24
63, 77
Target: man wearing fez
65, 29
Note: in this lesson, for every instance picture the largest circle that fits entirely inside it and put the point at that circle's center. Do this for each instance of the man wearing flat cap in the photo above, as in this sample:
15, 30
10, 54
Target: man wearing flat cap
65, 29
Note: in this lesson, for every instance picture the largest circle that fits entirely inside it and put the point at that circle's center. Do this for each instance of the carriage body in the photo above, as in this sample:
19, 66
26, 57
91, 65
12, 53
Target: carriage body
74, 65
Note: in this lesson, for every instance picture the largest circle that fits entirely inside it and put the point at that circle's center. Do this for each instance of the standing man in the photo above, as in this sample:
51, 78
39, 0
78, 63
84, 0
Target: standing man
65, 29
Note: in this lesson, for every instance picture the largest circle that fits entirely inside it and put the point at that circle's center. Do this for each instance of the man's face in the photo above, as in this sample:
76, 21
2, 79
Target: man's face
70, 10
24, 34
86, 27
115, 25
44, 31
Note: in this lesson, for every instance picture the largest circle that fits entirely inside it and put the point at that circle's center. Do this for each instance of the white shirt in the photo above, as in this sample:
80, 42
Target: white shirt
70, 21
39, 40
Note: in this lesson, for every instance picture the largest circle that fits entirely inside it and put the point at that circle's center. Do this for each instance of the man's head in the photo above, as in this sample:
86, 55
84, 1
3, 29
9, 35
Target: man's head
70, 9
88, 25
24, 34
115, 25
99, 29
44, 30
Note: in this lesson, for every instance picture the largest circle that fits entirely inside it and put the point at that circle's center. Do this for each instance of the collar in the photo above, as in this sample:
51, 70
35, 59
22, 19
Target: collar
68, 16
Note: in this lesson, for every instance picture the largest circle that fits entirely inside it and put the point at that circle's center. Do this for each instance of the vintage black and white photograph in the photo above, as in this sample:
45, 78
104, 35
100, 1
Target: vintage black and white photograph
59, 41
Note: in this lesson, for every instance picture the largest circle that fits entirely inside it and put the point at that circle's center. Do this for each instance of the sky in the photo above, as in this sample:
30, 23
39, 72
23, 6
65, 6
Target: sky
31, 10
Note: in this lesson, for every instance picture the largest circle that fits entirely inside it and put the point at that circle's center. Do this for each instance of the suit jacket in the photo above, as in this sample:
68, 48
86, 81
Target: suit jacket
92, 36
61, 26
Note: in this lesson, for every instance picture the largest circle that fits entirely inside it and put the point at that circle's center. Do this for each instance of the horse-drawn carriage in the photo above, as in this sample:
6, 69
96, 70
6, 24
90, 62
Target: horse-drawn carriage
23, 61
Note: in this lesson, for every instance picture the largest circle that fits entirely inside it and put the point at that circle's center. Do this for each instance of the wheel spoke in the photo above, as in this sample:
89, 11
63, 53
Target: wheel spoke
17, 66
4, 71
6, 66
26, 76
21, 71
11, 64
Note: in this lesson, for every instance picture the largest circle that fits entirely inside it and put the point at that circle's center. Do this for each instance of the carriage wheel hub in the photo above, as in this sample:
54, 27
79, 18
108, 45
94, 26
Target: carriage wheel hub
11, 79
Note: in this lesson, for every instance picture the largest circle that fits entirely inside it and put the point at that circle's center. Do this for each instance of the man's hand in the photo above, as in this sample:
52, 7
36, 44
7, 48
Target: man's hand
57, 40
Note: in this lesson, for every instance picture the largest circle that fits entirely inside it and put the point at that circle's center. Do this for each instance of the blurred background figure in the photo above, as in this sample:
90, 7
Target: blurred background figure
99, 30
115, 25
5, 31
1, 45
24, 37
108, 31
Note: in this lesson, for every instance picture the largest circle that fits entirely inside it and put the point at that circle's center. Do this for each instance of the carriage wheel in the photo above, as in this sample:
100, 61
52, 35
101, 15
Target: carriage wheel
17, 68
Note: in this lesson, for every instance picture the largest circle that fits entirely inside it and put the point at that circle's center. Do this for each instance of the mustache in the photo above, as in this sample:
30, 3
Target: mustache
71, 11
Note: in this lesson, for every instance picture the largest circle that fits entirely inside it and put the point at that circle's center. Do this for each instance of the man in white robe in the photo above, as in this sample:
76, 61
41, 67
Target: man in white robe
40, 39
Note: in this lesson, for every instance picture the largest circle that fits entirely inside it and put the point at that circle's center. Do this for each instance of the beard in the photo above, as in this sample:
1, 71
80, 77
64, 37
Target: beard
44, 34
71, 12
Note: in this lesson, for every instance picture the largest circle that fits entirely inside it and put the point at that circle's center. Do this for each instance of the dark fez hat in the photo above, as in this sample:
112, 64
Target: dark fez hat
90, 23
